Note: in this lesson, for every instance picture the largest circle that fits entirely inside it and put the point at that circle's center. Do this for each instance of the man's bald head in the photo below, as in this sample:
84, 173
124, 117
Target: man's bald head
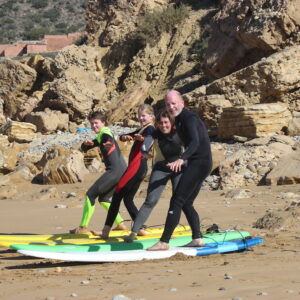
174, 102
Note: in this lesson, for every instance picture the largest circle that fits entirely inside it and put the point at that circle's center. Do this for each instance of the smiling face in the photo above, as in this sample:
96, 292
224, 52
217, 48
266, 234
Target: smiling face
96, 125
174, 103
164, 125
145, 118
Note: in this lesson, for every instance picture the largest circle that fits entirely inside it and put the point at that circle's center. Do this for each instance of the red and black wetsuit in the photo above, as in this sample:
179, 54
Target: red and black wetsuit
131, 179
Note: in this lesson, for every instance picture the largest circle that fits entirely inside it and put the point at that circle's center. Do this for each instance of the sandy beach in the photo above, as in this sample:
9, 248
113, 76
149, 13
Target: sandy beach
270, 270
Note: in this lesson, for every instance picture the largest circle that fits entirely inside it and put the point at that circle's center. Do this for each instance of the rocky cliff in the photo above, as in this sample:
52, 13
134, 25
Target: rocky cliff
237, 64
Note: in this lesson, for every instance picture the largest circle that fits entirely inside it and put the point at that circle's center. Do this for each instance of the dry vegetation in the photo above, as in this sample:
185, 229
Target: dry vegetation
31, 19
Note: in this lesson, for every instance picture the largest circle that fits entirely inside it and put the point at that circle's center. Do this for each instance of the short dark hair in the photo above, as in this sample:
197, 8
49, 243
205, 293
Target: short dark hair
163, 113
97, 115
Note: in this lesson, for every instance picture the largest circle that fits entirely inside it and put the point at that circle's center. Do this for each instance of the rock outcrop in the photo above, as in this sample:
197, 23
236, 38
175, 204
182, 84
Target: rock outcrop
20, 132
48, 121
63, 166
287, 170
244, 32
16, 81
254, 121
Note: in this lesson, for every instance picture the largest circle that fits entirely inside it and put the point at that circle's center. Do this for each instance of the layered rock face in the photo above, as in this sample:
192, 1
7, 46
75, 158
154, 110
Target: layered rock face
243, 32
63, 166
20, 132
273, 80
254, 121
109, 21
16, 80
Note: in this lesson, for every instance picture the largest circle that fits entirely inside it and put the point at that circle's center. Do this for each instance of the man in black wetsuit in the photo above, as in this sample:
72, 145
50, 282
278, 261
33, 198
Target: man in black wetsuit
197, 157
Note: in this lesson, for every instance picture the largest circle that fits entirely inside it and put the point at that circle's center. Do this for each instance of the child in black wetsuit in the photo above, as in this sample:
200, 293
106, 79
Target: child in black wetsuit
115, 166
135, 172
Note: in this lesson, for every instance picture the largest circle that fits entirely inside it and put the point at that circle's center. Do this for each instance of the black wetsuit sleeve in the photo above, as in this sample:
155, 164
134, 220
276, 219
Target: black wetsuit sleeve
148, 142
150, 130
130, 134
86, 148
192, 138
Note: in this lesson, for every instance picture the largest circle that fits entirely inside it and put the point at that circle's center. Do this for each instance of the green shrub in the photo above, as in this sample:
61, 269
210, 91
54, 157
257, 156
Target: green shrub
153, 24
81, 41
52, 14
61, 25
39, 3
35, 33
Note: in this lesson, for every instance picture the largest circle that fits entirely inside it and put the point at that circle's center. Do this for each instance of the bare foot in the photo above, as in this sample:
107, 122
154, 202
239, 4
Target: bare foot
79, 230
195, 243
120, 226
96, 233
104, 233
130, 238
142, 232
159, 246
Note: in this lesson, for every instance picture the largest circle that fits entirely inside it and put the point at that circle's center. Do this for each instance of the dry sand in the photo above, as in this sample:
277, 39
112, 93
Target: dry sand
270, 271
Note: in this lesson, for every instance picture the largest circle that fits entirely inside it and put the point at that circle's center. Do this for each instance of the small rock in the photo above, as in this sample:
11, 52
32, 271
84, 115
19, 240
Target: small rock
58, 269
170, 271
85, 282
226, 276
120, 297
74, 295
60, 206
222, 288
290, 291
237, 298
50, 298
71, 194
173, 290
42, 271
262, 294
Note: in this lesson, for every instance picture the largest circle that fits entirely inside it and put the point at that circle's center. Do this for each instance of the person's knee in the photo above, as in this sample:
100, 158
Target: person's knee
150, 203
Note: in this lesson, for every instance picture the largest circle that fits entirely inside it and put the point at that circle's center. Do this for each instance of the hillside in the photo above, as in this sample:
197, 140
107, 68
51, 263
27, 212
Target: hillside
31, 19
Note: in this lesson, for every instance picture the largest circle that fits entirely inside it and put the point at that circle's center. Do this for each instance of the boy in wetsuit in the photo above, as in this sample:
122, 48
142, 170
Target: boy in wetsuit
135, 172
115, 166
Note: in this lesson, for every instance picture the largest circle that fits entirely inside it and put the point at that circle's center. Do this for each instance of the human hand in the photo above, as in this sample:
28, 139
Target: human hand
126, 138
176, 165
147, 155
88, 143
139, 137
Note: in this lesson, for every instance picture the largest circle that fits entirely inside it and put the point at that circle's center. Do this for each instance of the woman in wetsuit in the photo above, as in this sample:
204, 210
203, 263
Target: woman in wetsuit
168, 147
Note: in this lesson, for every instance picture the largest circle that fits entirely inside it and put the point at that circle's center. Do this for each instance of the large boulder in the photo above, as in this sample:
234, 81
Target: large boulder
287, 170
243, 32
131, 100
254, 121
9, 156
63, 166
294, 124
16, 81
75, 92
48, 121
19, 132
